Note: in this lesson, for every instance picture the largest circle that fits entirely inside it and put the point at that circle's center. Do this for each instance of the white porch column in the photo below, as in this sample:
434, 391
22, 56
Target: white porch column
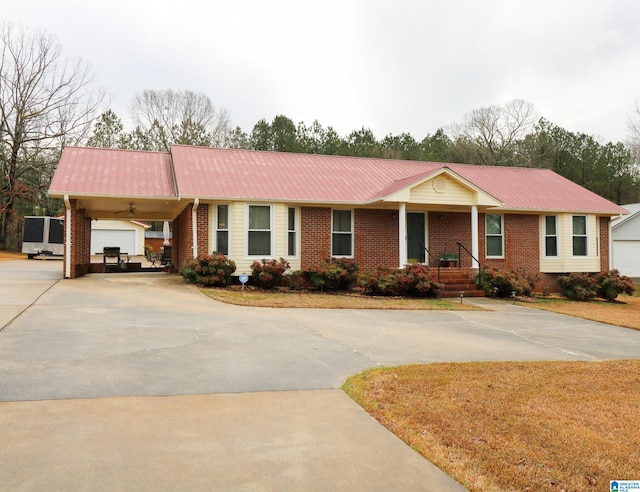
474, 237
402, 233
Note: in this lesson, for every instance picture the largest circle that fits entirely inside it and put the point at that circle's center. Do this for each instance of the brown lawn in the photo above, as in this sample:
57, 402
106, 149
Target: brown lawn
316, 300
534, 426
11, 255
625, 311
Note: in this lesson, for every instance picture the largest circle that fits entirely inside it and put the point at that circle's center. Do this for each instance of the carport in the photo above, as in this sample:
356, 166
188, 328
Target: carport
118, 184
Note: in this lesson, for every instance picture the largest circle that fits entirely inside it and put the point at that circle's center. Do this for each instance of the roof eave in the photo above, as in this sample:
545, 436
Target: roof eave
612, 213
75, 194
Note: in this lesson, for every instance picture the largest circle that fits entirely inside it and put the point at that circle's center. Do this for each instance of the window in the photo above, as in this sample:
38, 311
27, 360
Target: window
291, 232
341, 233
495, 237
551, 235
259, 233
579, 224
222, 230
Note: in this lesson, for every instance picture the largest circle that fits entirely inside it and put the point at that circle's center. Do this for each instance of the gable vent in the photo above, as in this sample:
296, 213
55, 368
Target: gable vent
440, 185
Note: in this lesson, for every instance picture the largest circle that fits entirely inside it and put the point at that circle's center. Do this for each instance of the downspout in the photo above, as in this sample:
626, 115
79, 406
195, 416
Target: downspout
194, 226
67, 239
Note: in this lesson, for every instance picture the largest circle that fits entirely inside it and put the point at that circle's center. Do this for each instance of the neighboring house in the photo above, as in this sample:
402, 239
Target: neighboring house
625, 235
306, 208
128, 235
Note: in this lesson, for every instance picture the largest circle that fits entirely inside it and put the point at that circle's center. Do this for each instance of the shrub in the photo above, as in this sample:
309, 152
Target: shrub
378, 282
298, 280
611, 284
334, 274
268, 274
213, 270
501, 283
412, 280
415, 280
578, 286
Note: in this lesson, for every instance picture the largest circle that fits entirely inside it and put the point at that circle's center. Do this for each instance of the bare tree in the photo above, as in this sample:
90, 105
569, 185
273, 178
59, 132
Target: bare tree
44, 105
171, 117
491, 135
633, 141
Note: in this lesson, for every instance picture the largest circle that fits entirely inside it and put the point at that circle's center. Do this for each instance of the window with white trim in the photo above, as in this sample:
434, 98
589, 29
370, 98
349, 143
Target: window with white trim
291, 231
342, 233
494, 235
259, 230
580, 237
551, 236
222, 229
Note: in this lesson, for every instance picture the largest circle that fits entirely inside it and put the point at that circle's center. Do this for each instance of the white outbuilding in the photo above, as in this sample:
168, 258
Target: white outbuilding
128, 235
625, 238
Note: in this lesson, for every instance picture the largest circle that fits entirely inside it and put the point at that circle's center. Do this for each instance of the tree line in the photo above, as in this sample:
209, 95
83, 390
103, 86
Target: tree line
46, 103
510, 135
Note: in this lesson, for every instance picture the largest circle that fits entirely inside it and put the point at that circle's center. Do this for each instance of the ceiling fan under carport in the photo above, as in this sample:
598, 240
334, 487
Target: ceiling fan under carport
129, 211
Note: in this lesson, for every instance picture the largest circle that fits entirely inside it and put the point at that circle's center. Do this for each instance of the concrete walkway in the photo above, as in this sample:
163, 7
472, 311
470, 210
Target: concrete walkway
139, 382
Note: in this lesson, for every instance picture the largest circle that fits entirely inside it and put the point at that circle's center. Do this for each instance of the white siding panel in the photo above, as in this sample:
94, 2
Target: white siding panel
566, 262
629, 230
626, 257
453, 194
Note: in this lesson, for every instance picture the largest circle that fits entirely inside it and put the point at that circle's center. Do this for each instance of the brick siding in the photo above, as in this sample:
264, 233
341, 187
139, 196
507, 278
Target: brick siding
315, 236
376, 238
445, 230
80, 254
183, 235
604, 244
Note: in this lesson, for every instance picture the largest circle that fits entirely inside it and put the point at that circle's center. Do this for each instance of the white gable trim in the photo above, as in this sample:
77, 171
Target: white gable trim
479, 198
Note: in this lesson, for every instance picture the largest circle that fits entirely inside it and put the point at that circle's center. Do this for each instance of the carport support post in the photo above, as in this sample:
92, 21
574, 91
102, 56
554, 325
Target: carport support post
67, 239
194, 226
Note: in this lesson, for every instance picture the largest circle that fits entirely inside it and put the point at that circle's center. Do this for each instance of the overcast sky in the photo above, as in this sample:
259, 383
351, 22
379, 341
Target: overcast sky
392, 66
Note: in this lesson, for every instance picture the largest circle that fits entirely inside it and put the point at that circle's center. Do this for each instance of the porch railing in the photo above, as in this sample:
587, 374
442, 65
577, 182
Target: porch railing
461, 247
431, 257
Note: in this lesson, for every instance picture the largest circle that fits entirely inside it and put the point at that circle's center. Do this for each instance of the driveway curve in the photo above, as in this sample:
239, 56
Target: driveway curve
252, 392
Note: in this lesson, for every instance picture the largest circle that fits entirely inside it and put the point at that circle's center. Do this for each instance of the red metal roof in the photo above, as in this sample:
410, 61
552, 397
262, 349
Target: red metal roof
232, 173
521, 188
211, 173
111, 172
244, 174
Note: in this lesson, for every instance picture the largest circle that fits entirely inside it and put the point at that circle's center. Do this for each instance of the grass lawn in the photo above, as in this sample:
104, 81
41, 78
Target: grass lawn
316, 300
10, 255
531, 426
625, 311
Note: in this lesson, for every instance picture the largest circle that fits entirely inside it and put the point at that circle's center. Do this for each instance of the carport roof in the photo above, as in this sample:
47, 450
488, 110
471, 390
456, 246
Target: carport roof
84, 171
